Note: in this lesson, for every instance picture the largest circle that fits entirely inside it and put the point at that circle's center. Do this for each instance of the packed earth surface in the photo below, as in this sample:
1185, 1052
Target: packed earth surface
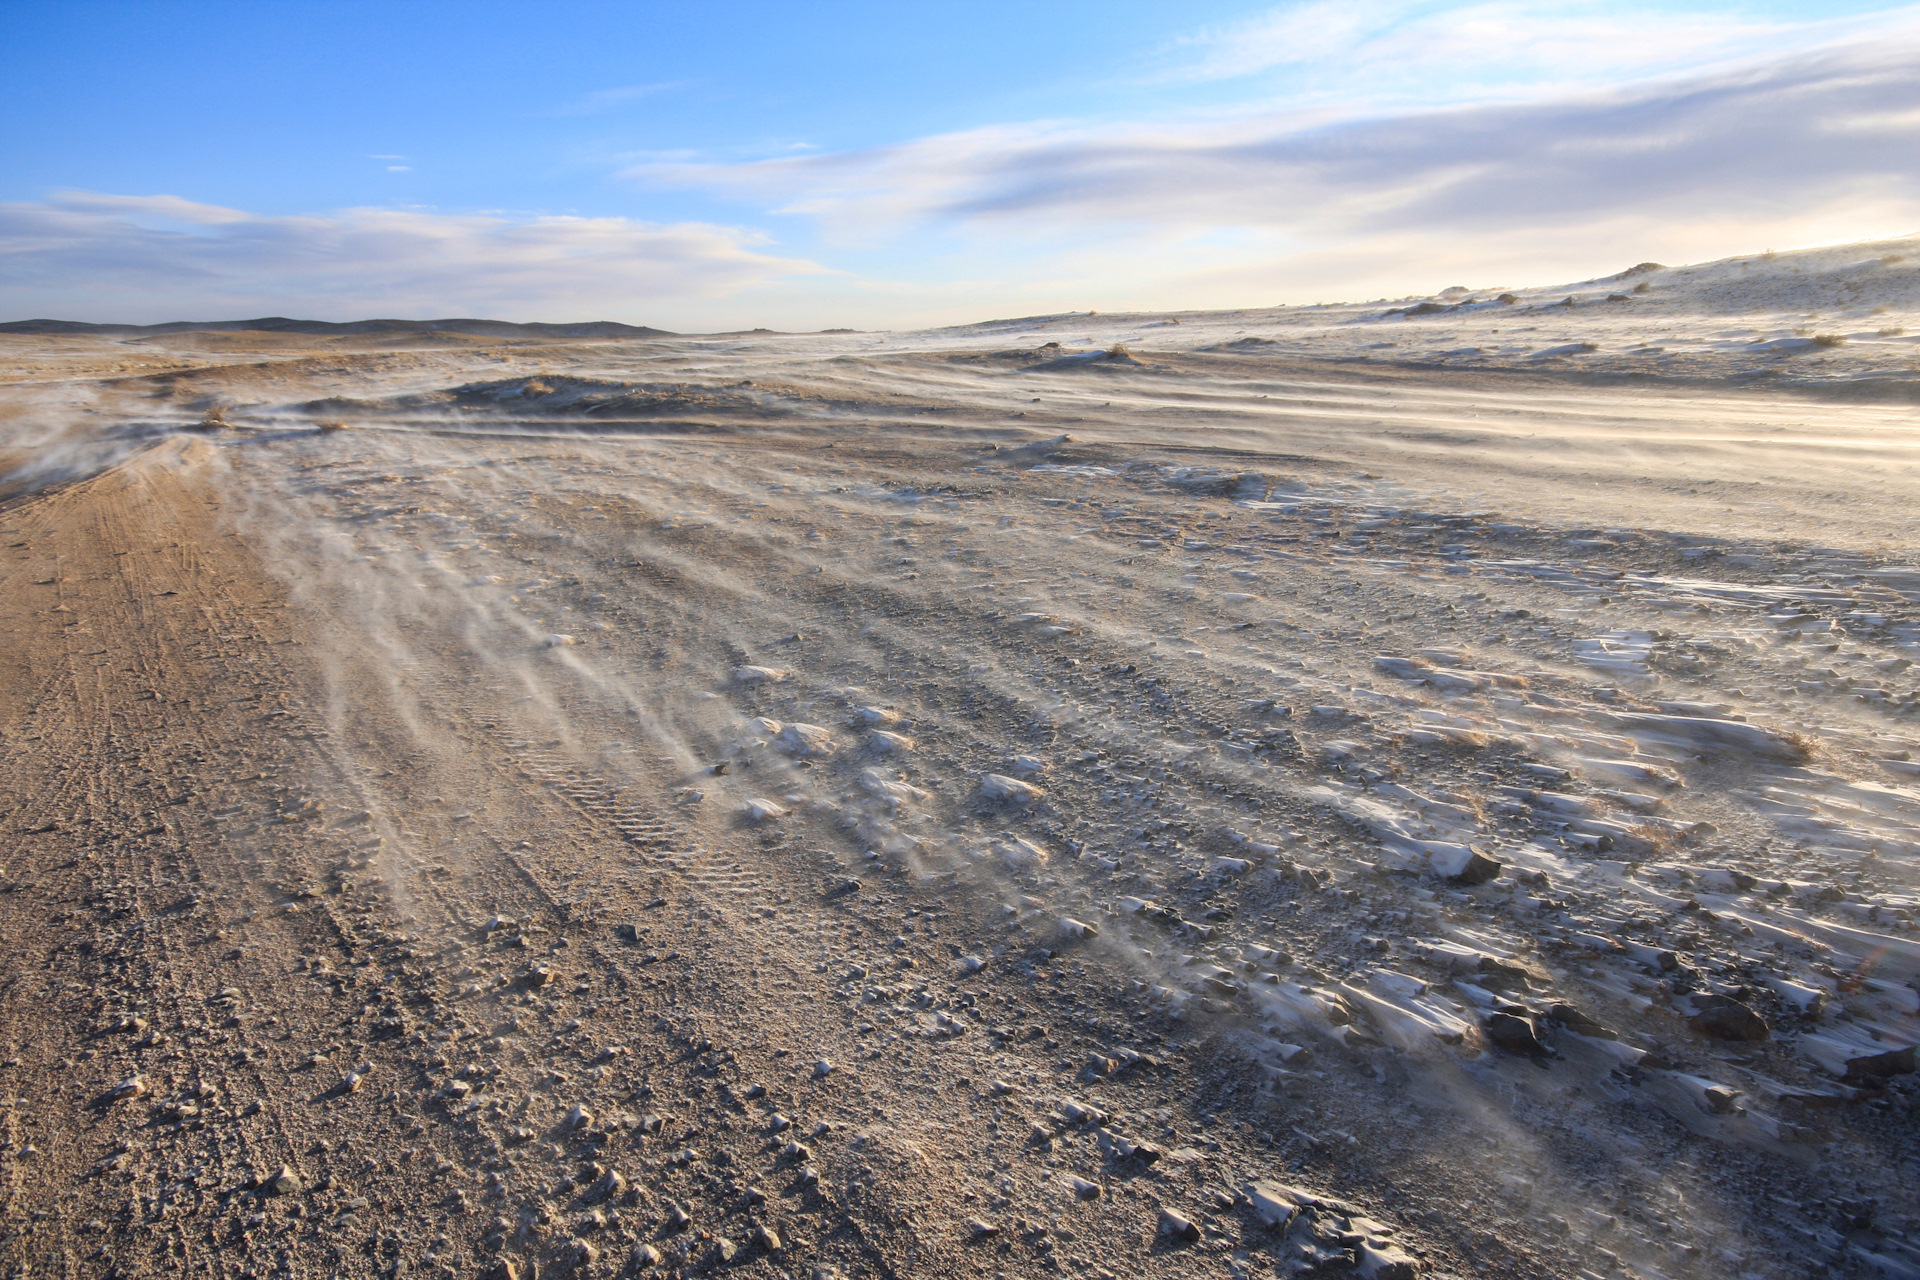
1309, 791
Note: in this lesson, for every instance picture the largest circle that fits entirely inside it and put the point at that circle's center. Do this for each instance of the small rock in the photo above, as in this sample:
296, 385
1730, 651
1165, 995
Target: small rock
981, 1230
1513, 1034
889, 744
1176, 1227
610, 1186
1084, 1190
724, 1250
1725, 1018
281, 1182
822, 1069
645, 1256
998, 786
759, 675
767, 1238
131, 1087
762, 810
577, 1119
805, 741
1579, 1023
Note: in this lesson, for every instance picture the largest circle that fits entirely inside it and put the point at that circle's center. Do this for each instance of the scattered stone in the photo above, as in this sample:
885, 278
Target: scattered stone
1725, 1018
759, 675
1174, 1226
131, 1087
997, 786
1514, 1034
762, 810
805, 741
1579, 1023
888, 744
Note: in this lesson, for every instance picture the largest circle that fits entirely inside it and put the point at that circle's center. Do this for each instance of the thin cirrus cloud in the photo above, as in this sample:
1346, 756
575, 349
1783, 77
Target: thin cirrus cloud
603, 100
1756, 145
161, 257
1425, 49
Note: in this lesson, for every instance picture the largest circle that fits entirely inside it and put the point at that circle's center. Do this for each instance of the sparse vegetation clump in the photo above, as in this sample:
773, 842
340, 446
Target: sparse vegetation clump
1825, 340
1118, 351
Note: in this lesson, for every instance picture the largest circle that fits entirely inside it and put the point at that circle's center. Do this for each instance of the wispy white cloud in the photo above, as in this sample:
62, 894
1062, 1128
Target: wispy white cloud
85, 255
600, 100
1757, 140
1443, 50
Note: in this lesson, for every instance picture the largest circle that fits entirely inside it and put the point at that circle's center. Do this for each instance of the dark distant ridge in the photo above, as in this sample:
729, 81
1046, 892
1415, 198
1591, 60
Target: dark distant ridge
280, 324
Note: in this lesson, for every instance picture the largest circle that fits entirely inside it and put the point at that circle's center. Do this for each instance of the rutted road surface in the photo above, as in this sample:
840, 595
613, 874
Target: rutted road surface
621, 819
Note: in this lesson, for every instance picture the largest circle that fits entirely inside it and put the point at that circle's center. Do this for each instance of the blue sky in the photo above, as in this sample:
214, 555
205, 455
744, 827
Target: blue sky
719, 165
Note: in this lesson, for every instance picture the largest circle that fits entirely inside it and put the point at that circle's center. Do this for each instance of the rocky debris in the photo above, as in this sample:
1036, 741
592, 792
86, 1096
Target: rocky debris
889, 744
763, 810
805, 741
127, 1090
752, 675
1514, 1033
1855, 1056
1579, 1023
1725, 1018
282, 1182
1176, 1226
998, 786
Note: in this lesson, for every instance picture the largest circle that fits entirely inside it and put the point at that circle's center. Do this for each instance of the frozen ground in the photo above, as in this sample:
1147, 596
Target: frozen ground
1251, 801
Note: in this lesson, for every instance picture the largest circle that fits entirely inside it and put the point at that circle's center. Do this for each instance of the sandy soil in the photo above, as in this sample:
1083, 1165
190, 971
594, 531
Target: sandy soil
945, 804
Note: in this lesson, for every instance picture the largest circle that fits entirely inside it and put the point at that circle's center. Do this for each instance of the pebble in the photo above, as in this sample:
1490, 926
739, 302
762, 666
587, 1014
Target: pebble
1176, 1226
805, 741
1725, 1018
998, 786
131, 1087
888, 744
761, 809
759, 675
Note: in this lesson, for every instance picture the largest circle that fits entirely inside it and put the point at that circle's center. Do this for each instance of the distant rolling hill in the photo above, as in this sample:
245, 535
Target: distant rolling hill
327, 328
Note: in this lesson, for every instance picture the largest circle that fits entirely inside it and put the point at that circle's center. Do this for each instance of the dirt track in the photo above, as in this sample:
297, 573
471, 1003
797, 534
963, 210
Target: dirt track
380, 827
